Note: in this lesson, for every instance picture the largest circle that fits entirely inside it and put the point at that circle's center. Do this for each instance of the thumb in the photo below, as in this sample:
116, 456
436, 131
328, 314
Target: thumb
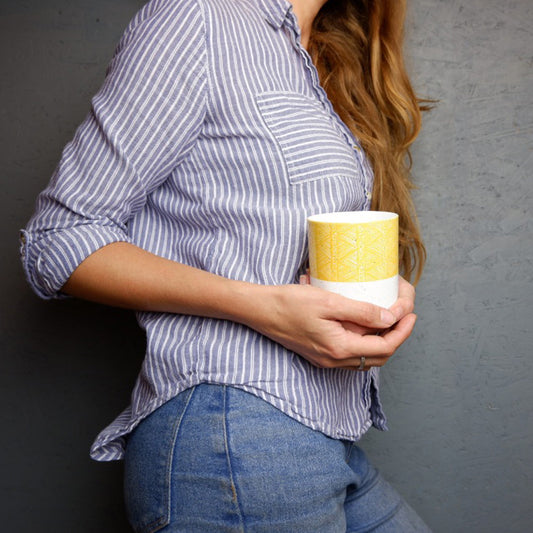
363, 313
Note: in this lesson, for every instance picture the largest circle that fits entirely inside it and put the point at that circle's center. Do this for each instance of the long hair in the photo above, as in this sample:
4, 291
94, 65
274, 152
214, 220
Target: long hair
356, 46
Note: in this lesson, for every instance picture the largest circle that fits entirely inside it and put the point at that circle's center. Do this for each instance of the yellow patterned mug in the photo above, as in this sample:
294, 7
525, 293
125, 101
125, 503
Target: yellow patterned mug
355, 254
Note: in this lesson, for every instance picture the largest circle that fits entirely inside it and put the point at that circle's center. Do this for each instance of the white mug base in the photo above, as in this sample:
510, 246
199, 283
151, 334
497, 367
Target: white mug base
383, 292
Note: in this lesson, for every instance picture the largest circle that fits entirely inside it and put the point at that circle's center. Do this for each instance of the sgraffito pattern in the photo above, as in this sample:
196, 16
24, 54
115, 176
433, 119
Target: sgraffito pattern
353, 252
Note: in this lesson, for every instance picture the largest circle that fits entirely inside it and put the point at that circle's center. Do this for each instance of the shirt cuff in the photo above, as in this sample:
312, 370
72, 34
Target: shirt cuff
49, 261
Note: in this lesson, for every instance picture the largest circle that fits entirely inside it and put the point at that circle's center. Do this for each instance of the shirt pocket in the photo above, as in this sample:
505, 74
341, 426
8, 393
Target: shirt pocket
311, 143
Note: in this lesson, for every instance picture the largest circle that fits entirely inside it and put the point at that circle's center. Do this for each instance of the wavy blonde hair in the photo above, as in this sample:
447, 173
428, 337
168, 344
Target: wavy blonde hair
356, 46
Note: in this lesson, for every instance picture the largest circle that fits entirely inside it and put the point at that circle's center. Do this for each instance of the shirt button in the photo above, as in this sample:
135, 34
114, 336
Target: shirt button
356, 148
368, 195
22, 238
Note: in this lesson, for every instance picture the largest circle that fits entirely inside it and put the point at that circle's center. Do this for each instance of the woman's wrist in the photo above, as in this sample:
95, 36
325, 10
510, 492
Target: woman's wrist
247, 303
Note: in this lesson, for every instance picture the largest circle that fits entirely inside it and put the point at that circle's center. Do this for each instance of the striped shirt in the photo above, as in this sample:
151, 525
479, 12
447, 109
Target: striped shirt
210, 143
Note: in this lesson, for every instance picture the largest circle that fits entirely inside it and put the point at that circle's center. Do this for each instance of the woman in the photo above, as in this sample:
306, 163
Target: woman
184, 195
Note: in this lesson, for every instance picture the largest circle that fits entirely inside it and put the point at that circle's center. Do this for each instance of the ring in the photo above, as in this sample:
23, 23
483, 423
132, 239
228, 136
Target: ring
362, 365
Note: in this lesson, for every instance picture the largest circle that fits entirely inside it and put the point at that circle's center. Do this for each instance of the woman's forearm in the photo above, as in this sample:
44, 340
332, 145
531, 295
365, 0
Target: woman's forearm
123, 275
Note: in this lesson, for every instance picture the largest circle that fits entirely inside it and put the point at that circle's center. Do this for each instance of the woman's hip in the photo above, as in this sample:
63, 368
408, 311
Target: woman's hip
216, 458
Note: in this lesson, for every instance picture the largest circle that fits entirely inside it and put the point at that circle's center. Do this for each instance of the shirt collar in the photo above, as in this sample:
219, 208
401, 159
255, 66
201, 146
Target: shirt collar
275, 11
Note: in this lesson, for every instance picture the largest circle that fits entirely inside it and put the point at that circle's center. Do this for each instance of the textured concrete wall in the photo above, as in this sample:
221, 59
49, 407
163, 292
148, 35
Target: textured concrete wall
459, 394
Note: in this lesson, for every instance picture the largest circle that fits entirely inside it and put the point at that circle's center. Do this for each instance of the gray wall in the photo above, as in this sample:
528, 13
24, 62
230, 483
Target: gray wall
459, 394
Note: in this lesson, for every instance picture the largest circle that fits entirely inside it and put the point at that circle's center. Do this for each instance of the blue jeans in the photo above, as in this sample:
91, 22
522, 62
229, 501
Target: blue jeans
218, 459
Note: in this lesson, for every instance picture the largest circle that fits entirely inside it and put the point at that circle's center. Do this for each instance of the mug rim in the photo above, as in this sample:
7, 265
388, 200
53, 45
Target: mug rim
352, 217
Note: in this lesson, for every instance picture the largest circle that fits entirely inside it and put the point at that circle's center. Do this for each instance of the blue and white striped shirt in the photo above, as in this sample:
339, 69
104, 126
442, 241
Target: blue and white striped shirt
210, 143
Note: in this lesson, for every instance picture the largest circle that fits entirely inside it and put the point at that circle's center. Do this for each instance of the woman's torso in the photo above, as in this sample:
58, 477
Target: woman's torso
270, 151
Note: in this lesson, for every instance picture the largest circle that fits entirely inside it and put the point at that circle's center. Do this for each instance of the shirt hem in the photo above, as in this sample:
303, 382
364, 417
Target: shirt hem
111, 446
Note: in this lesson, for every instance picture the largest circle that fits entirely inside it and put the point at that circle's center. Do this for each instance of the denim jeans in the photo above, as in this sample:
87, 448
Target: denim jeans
218, 459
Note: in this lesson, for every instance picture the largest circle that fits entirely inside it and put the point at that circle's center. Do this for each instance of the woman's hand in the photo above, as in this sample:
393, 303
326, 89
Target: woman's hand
331, 331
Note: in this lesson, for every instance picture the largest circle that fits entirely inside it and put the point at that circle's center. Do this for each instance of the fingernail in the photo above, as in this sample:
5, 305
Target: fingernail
387, 317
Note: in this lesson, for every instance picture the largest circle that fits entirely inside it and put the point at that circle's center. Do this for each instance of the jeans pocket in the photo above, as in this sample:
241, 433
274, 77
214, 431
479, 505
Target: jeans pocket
148, 465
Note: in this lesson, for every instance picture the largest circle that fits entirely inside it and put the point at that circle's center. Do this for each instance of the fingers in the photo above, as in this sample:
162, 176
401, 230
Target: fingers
367, 314
405, 303
305, 279
362, 313
361, 330
332, 331
378, 349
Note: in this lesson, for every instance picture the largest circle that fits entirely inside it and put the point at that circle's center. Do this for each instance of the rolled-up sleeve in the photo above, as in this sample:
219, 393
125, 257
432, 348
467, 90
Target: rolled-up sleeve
143, 122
